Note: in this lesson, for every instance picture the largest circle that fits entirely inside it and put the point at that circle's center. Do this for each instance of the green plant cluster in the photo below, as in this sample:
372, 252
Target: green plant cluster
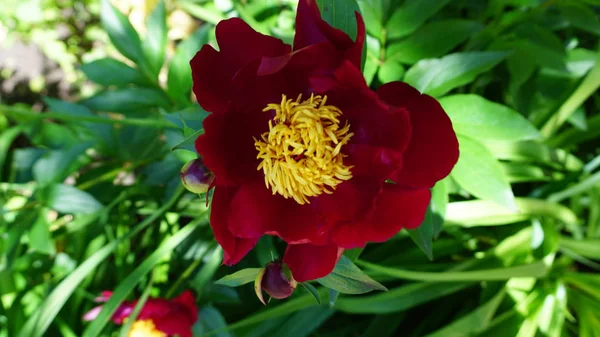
91, 198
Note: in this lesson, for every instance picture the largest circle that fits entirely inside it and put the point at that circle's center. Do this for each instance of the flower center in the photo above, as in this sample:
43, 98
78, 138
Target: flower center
145, 328
300, 154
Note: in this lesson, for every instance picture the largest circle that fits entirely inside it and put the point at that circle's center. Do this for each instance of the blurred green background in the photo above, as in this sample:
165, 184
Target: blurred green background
97, 118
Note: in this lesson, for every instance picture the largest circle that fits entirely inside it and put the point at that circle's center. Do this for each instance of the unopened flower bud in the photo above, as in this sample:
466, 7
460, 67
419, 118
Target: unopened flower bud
276, 280
196, 177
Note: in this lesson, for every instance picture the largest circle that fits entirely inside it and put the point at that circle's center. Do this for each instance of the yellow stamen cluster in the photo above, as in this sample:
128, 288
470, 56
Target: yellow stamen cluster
301, 153
145, 328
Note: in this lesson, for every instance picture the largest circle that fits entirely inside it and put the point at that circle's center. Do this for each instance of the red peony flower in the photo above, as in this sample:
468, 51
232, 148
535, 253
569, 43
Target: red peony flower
301, 148
158, 317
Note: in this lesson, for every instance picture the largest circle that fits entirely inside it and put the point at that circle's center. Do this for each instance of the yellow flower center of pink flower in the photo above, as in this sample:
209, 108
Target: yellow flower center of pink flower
301, 153
145, 328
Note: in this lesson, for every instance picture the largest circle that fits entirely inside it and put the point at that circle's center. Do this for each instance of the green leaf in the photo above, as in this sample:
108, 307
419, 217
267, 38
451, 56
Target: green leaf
434, 219
68, 199
478, 172
128, 99
56, 165
581, 17
372, 13
108, 71
578, 119
128, 284
347, 278
372, 61
432, 40
439, 201
580, 61
411, 15
333, 296
533, 52
6, 138
472, 323
340, 14
423, 235
121, 32
40, 238
240, 277
391, 70
65, 107
155, 42
478, 118
210, 320
436, 77
398, 299
188, 143
353, 254
179, 81
313, 291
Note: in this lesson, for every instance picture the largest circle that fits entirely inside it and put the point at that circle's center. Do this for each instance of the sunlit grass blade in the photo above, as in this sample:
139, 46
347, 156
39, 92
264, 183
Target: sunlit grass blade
136, 310
485, 213
537, 269
589, 248
398, 299
472, 323
39, 322
121, 292
588, 86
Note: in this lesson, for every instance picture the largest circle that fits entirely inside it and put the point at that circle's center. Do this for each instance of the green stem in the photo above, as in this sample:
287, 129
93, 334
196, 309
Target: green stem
106, 176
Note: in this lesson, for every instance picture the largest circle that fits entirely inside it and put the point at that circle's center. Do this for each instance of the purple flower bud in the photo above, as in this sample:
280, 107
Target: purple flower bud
276, 280
196, 177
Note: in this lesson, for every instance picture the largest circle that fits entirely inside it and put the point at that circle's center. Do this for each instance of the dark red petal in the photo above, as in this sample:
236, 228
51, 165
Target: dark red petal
234, 248
311, 29
227, 146
381, 132
212, 75
395, 208
350, 199
256, 211
433, 148
155, 308
174, 324
264, 82
309, 262
239, 44
188, 301
213, 71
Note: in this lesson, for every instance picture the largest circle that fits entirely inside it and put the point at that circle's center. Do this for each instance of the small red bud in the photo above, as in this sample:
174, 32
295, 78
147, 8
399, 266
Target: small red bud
196, 177
276, 280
